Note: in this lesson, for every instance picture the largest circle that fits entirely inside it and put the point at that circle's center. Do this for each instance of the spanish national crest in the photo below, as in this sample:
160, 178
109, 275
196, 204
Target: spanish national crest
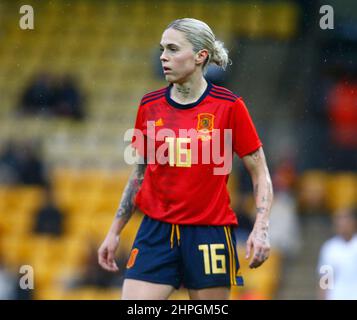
205, 125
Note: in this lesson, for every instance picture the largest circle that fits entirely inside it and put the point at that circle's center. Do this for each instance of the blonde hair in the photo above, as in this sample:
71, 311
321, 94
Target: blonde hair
200, 35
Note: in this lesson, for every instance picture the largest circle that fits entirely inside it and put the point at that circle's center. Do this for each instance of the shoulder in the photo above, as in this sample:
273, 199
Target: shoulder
234, 102
223, 94
153, 96
331, 244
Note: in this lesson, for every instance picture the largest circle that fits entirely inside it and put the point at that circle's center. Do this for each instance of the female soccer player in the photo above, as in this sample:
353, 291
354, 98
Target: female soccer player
186, 235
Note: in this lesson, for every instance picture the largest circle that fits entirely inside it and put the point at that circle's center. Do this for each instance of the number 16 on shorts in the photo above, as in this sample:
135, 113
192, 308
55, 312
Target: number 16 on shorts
214, 262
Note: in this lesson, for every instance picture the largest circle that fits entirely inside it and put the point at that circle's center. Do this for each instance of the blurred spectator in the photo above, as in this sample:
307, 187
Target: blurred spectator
50, 96
20, 163
9, 164
284, 223
38, 96
31, 167
342, 115
7, 283
49, 218
68, 101
340, 254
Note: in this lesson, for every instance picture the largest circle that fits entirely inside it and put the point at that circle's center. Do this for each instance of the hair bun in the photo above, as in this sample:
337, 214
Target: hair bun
220, 55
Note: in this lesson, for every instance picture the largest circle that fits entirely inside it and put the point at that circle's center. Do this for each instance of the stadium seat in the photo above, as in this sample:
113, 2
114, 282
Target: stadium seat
312, 191
342, 190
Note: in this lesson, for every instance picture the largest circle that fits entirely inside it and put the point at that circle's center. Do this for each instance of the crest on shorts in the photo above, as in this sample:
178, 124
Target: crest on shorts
132, 258
205, 125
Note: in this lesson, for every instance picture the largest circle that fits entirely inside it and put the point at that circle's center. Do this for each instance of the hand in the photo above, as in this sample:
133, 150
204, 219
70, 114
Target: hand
258, 241
106, 252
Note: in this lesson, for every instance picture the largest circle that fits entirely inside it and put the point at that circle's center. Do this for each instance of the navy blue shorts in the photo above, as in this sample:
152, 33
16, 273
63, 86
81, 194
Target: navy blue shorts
193, 256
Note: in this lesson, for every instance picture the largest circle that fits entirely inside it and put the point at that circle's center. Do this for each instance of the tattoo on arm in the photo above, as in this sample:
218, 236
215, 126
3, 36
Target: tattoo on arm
256, 186
127, 205
256, 155
263, 193
263, 197
261, 210
261, 233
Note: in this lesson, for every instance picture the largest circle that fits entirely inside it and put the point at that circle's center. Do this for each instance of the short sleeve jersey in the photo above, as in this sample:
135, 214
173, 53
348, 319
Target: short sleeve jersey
188, 147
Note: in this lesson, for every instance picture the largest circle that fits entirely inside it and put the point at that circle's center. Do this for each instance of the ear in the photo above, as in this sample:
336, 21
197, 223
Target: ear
201, 56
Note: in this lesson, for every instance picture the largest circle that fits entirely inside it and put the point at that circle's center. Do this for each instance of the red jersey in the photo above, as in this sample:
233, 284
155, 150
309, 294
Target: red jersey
180, 185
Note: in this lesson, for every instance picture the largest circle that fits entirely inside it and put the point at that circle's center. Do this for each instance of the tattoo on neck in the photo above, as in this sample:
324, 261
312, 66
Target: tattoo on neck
184, 91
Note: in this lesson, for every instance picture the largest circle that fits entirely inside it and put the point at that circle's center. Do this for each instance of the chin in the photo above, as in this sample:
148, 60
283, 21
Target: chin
180, 78
170, 78
173, 79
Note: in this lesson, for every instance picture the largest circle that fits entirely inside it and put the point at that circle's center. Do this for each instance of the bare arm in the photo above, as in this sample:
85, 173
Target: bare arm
106, 252
127, 205
263, 195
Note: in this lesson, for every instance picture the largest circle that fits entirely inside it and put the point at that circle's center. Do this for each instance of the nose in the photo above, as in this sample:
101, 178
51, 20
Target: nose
163, 56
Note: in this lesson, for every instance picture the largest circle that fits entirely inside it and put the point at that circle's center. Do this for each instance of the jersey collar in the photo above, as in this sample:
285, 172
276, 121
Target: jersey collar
189, 105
